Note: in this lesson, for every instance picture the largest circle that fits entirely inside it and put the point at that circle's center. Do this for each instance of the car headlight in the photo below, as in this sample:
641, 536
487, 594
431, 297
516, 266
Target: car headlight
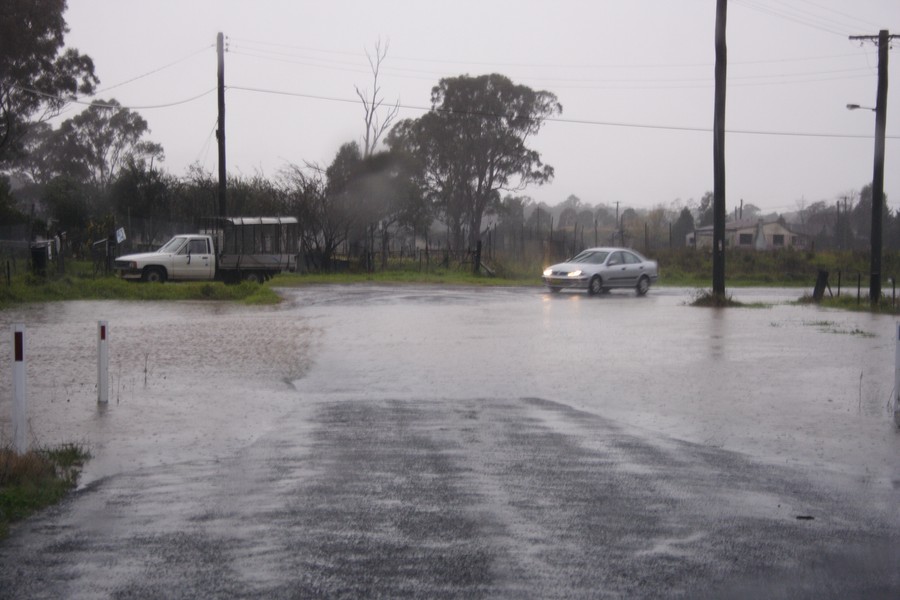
548, 272
575, 273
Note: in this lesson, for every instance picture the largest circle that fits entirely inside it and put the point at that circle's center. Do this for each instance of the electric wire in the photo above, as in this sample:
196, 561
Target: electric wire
157, 70
565, 119
861, 22
207, 144
602, 83
797, 15
530, 65
99, 104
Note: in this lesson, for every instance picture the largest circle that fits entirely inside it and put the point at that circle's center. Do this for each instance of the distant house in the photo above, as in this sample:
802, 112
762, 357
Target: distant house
752, 234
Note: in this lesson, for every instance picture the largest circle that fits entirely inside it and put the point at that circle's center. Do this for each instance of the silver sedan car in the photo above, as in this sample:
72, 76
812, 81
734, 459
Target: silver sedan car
599, 269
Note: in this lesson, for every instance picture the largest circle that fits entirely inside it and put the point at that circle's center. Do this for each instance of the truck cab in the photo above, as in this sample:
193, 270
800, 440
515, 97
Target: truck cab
183, 258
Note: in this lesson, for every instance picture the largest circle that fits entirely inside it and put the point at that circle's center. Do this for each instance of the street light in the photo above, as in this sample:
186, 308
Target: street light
857, 107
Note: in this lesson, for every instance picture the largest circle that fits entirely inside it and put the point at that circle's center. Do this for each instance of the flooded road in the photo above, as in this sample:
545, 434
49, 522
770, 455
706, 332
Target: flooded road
417, 441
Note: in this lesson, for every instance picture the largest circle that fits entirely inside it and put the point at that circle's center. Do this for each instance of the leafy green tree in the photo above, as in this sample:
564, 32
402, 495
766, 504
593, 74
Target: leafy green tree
750, 211
143, 196
196, 195
567, 218
9, 214
95, 144
254, 196
605, 216
585, 219
511, 212
683, 226
861, 215
67, 204
37, 76
472, 146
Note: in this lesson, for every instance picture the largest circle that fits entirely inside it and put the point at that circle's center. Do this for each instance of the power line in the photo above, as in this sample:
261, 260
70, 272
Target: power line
842, 14
602, 83
493, 64
566, 120
796, 15
103, 105
157, 70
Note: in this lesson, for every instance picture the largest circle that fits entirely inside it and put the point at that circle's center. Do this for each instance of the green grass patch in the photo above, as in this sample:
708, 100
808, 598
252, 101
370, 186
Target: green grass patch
852, 303
80, 284
36, 480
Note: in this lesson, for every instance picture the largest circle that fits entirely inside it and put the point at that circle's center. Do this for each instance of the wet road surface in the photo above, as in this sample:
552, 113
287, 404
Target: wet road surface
413, 442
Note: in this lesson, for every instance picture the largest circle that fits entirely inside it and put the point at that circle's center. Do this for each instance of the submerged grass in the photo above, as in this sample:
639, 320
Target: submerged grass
36, 479
709, 299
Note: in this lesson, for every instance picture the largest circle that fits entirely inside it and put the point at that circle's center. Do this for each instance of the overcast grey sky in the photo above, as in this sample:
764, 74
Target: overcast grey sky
635, 78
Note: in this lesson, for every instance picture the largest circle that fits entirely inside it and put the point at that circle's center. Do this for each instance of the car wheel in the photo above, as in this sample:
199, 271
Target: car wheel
643, 285
154, 275
595, 286
555, 290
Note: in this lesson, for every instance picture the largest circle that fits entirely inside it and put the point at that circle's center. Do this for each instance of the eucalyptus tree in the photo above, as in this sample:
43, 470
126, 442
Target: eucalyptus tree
472, 145
683, 226
96, 143
38, 77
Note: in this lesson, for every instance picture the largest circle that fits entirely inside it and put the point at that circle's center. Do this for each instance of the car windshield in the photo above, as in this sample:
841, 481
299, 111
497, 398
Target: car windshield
171, 247
594, 257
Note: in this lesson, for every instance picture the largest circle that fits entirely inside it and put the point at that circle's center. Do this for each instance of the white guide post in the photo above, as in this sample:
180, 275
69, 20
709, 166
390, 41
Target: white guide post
20, 407
102, 362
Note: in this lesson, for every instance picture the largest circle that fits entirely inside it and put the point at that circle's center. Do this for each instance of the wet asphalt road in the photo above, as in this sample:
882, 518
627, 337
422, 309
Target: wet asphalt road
373, 485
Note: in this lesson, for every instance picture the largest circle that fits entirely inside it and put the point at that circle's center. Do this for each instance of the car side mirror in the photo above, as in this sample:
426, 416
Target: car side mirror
613, 263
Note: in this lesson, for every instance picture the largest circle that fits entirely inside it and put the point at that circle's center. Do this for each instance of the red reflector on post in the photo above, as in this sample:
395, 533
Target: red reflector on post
103, 332
20, 346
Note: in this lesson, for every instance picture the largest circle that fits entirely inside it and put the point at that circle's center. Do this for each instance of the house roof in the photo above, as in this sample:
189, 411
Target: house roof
747, 224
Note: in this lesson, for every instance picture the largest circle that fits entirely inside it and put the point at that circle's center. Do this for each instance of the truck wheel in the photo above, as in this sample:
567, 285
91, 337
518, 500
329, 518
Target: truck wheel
254, 277
154, 274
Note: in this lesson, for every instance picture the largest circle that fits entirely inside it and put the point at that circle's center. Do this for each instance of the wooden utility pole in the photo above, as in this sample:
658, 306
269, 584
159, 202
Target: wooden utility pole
220, 132
883, 40
718, 285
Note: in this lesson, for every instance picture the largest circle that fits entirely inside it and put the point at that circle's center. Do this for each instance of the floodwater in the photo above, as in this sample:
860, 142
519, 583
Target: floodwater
783, 383
412, 441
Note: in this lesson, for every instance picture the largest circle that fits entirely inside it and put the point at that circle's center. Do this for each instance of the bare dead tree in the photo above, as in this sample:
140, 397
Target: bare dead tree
377, 121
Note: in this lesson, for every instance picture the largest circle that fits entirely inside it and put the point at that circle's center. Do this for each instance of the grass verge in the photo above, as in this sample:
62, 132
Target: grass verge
80, 286
36, 479
852, 303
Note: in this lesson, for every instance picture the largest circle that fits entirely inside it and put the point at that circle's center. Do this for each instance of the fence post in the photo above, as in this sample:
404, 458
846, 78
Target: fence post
102, 362
20, 406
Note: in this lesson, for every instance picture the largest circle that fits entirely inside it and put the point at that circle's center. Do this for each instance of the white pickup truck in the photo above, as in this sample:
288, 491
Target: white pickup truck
231, 249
